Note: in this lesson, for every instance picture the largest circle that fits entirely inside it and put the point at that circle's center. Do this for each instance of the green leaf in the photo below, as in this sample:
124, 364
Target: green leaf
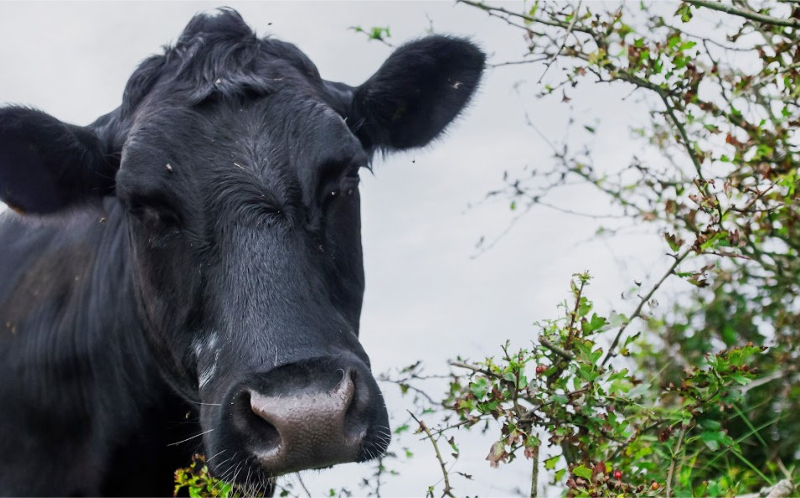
674, 241
713, 439
685, 12
594, 324
584, 307
740, 378
617, 319
480, 387
583, 471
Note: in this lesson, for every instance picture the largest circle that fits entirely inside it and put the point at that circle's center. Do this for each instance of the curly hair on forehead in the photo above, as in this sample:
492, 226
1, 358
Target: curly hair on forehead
217, 55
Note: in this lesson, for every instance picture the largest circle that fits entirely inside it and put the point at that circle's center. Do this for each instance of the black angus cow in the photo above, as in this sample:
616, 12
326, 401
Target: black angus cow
190, 264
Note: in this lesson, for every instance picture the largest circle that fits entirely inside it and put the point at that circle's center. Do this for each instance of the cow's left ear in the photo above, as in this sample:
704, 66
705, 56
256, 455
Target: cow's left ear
47, 165
417, 92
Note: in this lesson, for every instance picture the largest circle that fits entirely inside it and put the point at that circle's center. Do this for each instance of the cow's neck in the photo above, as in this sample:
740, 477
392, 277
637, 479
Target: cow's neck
77, 373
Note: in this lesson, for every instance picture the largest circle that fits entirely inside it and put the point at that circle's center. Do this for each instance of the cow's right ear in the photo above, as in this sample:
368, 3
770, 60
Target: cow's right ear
47, 165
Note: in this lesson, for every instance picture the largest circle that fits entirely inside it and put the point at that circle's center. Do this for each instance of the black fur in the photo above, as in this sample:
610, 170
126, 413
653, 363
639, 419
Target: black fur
201, 236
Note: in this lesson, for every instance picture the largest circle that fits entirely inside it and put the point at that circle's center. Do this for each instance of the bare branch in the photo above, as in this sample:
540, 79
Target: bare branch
638, 311
564, 42
445, 474
474, 368
557, 350
675, 454
535, 472
747, 14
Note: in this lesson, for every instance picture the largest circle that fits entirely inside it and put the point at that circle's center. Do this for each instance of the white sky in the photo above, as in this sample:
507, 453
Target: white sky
426, 297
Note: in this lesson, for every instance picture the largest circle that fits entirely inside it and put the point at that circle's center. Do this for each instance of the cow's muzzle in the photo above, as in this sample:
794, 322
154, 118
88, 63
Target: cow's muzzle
311, 414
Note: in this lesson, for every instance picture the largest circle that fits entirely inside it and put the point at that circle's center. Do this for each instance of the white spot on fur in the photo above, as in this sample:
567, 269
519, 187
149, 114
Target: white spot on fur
212, 341
209, 345
207, 375
198, 348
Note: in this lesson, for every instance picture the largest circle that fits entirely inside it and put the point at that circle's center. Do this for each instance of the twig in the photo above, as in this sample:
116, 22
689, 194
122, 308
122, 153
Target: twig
557, 350
560, 366
583, 215
505, 232
564, 42
750, 204
303, 485
687, 144
684, 136
781, 489
675, 452
535, 472
462, 423
638, 311
523, 61
547, 22
574, 314
378, 473
726, 254
409, 387
753, 16
633, 437
445, 473
765, 380
475, 369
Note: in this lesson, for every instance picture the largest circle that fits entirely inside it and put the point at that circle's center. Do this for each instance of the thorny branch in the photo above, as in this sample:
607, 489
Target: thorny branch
638, 311
445, 473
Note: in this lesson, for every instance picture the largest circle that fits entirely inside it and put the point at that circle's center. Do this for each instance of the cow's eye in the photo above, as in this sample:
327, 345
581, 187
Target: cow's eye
336, 176
352, 178
153, 210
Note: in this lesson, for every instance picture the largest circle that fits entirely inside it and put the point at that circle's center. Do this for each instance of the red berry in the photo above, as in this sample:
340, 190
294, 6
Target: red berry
540, 369
654, 486
617, 475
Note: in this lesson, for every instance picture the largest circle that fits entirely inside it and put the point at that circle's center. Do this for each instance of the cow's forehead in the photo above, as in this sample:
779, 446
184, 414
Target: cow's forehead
219, 56
284, 124
275, 149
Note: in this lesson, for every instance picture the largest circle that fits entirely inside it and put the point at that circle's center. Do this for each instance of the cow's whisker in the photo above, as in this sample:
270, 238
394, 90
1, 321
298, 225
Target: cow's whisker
190, 438
216, 455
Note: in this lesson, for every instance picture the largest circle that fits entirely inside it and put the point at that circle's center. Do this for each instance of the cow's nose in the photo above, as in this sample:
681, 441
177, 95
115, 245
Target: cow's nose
306, 418
311, 430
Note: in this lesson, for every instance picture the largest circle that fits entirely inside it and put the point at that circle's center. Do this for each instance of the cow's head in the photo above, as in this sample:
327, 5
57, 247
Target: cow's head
238, 168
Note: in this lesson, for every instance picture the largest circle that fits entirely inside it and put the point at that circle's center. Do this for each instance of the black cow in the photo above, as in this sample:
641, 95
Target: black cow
188, 267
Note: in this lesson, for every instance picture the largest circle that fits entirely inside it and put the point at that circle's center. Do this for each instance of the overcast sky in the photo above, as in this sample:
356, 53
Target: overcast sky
427, 297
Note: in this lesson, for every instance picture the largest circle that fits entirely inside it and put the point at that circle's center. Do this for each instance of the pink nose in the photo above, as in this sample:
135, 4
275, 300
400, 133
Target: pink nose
310, 429
306, 414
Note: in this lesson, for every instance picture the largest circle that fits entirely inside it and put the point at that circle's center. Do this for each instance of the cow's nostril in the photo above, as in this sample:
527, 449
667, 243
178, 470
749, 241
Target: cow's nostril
261, 433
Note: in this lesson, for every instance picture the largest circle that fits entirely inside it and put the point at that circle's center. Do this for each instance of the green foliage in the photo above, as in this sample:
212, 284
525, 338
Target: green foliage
198, 482
687, 400
375, 33
603, 419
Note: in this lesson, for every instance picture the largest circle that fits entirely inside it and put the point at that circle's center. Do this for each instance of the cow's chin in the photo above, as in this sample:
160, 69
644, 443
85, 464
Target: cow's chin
243, 471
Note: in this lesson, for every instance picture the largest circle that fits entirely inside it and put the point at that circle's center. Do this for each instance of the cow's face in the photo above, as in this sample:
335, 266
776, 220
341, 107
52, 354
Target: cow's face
238, 168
